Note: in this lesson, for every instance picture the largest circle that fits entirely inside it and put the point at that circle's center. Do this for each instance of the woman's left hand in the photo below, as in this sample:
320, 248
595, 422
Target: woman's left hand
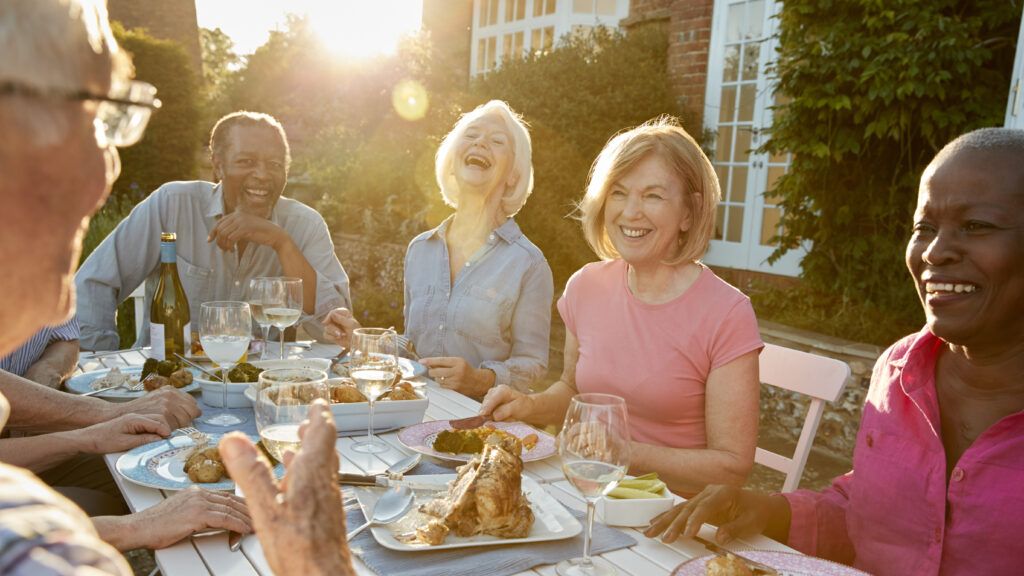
456, 374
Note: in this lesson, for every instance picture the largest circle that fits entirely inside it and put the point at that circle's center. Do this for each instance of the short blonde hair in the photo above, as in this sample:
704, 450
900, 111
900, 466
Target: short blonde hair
665, 137
522, 162
56, 45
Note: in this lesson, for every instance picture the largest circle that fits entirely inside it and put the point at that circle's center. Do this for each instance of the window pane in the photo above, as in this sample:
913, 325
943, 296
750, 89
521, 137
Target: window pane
550, 7
482, 10
493, 19
549, 37
747, 94
774, 173
492, 52
769, 225
753, 23
606, 7
520, 9
731, 64
723, 179
751, 52
481, 55
734, 20
734, 233
738, 189
719, 221
727, 113
536, 41
723, 144
517, 45
742, 151
510, 7
780, 158
506, 47
583, 6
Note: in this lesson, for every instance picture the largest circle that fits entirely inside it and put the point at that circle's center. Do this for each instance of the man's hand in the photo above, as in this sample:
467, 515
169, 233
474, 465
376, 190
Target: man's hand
240, 227
300, 522
456, 374
338, 326
504, 403
177, 517
121, 433
172, 406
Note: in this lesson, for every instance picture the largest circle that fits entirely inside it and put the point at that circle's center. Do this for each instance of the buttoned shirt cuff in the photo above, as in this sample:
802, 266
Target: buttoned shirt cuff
67, 331
803, 524
502, 375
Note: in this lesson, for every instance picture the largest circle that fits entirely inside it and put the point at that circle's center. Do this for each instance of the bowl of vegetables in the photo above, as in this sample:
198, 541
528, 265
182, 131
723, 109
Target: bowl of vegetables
635, 501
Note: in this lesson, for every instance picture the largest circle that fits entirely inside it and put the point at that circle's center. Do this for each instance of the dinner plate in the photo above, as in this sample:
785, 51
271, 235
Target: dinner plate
420, 437
551, 521
82, 383
786, 563
410, 368
161, 464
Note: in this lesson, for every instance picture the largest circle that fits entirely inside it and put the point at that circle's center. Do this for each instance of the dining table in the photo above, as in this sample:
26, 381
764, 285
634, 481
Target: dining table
201, 555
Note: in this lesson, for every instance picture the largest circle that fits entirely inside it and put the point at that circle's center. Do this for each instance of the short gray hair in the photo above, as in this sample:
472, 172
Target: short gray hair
222, 130
50, 45
522, 162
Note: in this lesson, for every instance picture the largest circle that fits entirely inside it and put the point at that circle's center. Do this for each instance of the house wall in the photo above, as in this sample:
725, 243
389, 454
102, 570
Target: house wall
450, 23
166, 19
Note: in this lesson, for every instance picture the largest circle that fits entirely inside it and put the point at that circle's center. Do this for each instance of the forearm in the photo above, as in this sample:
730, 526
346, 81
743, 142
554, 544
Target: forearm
118, 532
39, 453
779, 518
36, 408
57, 362
688, 471
294, 264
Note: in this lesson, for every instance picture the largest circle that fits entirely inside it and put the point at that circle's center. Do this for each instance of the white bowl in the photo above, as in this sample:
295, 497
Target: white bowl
633, 512
212, 394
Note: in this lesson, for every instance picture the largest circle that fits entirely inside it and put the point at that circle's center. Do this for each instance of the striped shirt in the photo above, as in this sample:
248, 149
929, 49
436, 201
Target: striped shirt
19, 361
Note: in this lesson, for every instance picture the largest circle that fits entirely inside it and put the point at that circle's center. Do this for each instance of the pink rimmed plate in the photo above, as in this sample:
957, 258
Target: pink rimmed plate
420, 437
786, 563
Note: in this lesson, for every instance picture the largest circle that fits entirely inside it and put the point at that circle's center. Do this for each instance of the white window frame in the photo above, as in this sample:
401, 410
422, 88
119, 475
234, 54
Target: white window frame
1015, 101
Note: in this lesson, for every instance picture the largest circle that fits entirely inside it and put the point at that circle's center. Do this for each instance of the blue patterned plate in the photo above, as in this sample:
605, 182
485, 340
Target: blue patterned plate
82, 383
161, 465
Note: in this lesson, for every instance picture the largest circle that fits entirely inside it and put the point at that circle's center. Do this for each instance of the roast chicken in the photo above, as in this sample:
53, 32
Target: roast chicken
485, 498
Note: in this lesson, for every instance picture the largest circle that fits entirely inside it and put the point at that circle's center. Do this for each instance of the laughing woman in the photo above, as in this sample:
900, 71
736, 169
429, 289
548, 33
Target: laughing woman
651, 323
477, 291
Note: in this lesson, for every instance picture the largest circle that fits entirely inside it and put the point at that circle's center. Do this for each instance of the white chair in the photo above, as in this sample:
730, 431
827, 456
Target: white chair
139, 297
820, 378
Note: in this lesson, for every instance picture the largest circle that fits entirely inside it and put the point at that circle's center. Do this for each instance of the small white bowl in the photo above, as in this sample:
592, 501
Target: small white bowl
633, 512
213, 394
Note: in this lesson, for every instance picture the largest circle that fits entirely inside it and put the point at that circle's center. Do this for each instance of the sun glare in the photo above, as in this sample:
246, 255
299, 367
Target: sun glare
363, 28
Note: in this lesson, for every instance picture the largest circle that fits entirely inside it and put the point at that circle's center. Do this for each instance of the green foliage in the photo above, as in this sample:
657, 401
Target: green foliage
219, 64
876, 88
168, 150
575, 98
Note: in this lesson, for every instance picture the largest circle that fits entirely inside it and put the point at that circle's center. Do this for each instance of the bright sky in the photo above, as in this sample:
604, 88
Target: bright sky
349, 27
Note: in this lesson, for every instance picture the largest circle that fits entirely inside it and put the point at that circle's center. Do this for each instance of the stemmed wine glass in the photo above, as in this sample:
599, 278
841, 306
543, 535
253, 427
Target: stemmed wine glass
280, 301
225, 329
282, 403
594, 447
261, 291
374, 366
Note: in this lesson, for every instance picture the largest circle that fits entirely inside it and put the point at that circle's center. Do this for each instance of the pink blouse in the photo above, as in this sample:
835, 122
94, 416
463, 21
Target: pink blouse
893, 513
656, 356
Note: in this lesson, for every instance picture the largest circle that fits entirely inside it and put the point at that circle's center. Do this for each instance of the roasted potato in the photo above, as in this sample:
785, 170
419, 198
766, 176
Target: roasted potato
154, 381
401, 391
346, 394
181, 378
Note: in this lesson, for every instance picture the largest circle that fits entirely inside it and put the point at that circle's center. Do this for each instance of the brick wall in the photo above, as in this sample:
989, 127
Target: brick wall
166, 19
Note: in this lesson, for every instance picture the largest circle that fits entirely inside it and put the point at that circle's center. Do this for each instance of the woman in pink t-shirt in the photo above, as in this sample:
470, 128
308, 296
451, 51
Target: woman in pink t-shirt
650, 323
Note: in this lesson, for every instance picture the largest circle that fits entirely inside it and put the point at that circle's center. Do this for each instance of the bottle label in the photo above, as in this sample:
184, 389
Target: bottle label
156, 341
186, 337
168, 253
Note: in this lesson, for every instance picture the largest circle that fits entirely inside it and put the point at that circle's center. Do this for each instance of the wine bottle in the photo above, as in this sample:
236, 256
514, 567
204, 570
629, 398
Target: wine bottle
170, 331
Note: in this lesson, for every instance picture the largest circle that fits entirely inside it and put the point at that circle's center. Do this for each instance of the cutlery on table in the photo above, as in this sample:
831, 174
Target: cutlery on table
389, 508
394, 472
755, 566
131, 386
338, 359
469, 423
191, 364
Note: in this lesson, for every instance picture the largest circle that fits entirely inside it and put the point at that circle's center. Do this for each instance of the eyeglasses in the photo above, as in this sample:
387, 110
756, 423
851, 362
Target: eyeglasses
124, 112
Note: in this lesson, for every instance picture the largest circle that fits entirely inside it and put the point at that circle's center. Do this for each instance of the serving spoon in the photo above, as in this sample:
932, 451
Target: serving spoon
389, 508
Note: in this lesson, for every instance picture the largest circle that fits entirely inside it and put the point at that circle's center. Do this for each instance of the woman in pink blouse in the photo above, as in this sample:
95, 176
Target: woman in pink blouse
650, 323
937, 485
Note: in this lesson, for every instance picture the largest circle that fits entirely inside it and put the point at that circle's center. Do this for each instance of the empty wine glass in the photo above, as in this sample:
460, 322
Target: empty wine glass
594, 446
280, 302
261, 292
282, 403
225, 329
374, 366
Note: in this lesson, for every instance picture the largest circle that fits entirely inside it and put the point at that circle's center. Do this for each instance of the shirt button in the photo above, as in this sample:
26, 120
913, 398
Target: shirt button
467, 264
491, 237
958, 474
938, 535
869, 441
237, 283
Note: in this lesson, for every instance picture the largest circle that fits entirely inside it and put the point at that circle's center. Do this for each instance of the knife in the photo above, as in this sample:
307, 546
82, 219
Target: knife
754, 565
394, 472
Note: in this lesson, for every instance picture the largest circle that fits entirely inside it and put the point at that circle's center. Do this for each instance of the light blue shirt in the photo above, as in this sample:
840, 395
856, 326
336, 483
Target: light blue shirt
19, 361
497, 314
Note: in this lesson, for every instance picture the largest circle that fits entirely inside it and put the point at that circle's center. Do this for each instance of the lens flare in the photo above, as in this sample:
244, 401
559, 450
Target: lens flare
410, 100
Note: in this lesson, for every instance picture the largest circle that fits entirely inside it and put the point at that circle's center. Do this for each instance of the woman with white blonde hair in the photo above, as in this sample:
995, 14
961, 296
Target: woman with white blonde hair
477, 291
651, 323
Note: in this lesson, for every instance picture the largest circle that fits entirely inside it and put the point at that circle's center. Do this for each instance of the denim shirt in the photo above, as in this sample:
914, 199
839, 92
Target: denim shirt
497, 315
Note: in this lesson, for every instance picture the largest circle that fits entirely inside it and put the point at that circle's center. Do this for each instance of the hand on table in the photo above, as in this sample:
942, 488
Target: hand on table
172, 406
122, 433
338, 326
456, 374
300, 522
504, 403
736, 512
241, 227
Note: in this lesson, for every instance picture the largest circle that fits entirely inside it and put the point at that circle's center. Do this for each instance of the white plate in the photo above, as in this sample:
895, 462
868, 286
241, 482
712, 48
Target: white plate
410, 368
161, 465
786, 563
82, 383
420, 437
551, 521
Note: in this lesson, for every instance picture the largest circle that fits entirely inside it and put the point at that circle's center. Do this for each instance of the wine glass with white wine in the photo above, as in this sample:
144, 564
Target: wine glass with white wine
225, 329
281, 303
373, 366
595, 448
261, 292
282, 403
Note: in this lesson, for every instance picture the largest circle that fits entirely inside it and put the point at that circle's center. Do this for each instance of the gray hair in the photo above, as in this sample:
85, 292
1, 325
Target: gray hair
522, 162
55, 45
222, 130
986, 139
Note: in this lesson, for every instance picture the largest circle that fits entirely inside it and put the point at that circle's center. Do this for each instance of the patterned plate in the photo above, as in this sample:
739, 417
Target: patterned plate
787, 564
161, 464
82, 383
420, 437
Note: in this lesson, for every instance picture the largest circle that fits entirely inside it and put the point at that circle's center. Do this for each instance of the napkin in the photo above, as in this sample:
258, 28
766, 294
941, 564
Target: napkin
490, 560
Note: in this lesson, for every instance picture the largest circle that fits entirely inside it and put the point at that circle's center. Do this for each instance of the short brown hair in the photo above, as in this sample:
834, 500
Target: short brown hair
665, 137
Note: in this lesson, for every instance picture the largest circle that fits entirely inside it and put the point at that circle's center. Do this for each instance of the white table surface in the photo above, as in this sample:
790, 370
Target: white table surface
210, 554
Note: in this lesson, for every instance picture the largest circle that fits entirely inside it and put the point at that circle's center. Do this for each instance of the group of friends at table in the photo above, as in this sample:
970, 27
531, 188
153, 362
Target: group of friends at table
939, 459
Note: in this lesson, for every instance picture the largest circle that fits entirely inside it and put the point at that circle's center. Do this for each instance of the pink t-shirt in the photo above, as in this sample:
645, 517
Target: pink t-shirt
656, 356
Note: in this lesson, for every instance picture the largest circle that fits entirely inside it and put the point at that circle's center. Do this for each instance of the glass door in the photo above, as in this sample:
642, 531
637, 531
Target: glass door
739, 97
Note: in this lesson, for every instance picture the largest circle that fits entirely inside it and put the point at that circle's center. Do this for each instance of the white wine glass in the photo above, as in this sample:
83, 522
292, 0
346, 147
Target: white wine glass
261, 293
283, 304
283, 400
373, 366
225, 329
595, 448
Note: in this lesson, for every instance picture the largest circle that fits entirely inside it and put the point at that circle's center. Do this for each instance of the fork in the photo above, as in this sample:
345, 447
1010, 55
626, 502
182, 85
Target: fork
131, 386
198, 436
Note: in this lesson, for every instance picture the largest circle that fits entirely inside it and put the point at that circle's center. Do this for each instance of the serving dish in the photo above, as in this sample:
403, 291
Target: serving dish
632, 512
420, 437
82, 383
410, 368
237, 398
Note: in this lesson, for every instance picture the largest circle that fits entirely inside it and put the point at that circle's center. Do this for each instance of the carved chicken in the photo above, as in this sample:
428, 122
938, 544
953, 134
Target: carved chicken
485, 498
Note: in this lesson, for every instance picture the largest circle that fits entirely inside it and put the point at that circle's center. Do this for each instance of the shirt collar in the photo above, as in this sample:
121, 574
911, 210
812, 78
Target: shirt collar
917, 365
509, 231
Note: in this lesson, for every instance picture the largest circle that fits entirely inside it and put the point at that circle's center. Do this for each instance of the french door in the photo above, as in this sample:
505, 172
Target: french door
738, 113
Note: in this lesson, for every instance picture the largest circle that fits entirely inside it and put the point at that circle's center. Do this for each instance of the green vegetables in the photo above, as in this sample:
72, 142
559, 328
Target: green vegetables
162, 367
646, 486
